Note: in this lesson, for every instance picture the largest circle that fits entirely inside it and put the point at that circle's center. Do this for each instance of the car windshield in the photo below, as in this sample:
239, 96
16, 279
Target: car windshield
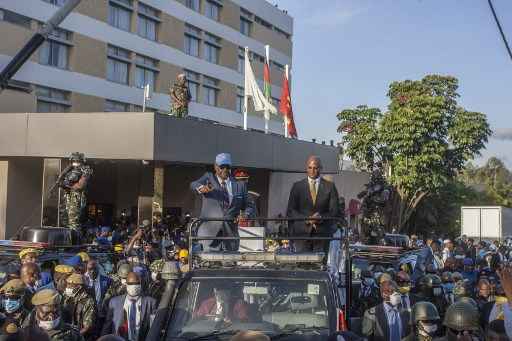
273, 306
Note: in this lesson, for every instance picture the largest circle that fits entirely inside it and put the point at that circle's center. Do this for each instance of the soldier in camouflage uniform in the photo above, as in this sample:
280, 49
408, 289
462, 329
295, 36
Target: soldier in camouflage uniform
12, 304
118, 286
157, 285
73, 180
46, 319
180, 97
79, 307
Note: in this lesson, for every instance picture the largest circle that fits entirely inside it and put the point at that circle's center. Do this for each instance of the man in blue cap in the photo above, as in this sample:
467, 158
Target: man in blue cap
222, 197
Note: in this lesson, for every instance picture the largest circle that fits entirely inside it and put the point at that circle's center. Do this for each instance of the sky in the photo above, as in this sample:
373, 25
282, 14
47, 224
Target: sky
347, 52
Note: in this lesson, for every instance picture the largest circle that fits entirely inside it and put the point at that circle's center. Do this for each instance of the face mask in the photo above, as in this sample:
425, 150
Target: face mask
405, 290
109, 238
154, 276
49, 325
11, 305
428, 328
70, 292
133, 290
448, 287
395, 299
437, 291
123, 281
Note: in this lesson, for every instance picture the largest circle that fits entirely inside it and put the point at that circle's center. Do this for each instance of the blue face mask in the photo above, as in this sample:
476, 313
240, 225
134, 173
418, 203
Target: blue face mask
11, 305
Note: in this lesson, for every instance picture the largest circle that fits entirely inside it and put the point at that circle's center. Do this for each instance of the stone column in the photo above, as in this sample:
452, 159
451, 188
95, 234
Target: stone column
158, 190
51, 193
150, 200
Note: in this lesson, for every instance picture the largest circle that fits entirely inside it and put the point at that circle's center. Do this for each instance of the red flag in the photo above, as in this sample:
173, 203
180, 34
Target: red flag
286, 108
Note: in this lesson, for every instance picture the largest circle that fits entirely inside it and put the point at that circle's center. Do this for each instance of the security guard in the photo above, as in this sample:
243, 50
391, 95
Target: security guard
79, 308
462, 322
46, 317
425, 322
62, 272
118, 286
13, 307
157, 285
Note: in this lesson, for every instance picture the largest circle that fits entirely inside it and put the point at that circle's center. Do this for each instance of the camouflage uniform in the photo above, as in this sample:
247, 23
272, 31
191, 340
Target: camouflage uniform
180, 96
80, 310
15, 287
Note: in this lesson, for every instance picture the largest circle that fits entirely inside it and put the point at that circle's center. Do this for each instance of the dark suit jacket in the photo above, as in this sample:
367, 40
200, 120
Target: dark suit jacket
300, 205
376, 327
116, 315
211, 206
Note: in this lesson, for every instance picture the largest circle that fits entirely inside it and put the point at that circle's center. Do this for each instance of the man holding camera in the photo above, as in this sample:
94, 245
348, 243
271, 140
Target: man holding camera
222, 197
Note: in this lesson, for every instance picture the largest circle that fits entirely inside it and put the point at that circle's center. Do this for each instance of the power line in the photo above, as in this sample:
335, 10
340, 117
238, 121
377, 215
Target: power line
500, 29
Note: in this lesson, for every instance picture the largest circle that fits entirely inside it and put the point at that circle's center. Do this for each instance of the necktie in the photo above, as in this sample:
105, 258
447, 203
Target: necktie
394, 328
312, 189
225, 195
132, 320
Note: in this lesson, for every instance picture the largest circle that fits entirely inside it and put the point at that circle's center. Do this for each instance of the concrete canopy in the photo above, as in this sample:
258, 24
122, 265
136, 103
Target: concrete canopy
150, 136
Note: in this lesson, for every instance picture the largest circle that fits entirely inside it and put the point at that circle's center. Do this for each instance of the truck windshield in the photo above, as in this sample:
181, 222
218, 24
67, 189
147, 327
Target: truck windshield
273, 306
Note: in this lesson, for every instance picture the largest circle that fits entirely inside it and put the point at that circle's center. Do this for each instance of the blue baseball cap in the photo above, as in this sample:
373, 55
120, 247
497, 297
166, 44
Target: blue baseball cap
73, 261
105, 229
223, 159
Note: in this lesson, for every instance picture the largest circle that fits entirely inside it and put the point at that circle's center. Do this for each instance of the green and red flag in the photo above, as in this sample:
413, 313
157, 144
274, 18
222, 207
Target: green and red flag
267, 89
286, 107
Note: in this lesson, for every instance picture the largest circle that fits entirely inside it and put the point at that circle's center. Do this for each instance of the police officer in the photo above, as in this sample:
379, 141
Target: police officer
13, 298
430, 289
425, 320
79, 308
46, 318
61, 273
461, 322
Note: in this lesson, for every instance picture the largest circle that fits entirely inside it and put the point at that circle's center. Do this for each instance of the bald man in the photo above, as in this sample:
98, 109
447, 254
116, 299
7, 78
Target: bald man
313, 197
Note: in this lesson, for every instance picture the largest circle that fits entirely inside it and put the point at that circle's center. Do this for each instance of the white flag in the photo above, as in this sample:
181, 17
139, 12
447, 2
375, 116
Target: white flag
253, 90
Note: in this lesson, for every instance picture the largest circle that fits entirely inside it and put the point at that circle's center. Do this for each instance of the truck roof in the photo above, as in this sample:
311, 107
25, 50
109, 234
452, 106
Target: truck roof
258, 273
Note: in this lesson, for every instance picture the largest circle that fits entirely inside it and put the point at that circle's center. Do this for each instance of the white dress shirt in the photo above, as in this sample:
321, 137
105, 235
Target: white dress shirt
127, 306
228, 187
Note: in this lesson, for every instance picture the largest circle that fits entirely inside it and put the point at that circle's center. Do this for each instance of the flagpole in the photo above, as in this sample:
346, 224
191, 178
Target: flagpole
267, 60
287, 75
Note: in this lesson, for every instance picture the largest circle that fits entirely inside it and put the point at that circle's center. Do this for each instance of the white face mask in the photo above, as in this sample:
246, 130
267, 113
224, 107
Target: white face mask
133, 290
123, 281
154, 276
49, 325
395, 299
437, 291
70, 292
429, 328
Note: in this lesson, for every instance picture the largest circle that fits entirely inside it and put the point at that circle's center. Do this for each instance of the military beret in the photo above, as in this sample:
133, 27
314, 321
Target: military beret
14, 287
84, 256
46, 296
25, 252
64, 269
75, 279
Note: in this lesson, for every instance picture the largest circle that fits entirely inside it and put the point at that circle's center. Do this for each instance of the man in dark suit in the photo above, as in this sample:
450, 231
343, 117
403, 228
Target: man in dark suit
386, 322
313, 197
223, 197
129, 315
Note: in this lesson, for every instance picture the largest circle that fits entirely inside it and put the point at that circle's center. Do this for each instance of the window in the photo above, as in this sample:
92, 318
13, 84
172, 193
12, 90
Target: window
211, 48
282, 33
241, 60
210, 91
114, 106
147, 22
193, 5
118, 64
239, 99
192, 40
212, 10
15, 18
55, 50
145, 72
56, 2
193, 80
120, 14
263, 22
245, 26
52, 100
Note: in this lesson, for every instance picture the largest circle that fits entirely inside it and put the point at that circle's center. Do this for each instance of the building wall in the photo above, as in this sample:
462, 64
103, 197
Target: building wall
92, 34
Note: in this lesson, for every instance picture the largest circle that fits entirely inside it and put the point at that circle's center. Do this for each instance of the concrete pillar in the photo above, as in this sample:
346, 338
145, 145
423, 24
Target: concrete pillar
21, 184
158, 190
151, 192
51, 192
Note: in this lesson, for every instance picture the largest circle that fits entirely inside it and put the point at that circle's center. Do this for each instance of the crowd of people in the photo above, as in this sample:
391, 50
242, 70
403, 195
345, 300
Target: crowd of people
459, 291
83, 298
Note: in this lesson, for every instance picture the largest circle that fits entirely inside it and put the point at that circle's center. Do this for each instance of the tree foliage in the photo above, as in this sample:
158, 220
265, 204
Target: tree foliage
422, 141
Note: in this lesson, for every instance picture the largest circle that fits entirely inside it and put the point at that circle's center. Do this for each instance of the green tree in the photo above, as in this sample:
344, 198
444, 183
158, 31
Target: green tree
421, 142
